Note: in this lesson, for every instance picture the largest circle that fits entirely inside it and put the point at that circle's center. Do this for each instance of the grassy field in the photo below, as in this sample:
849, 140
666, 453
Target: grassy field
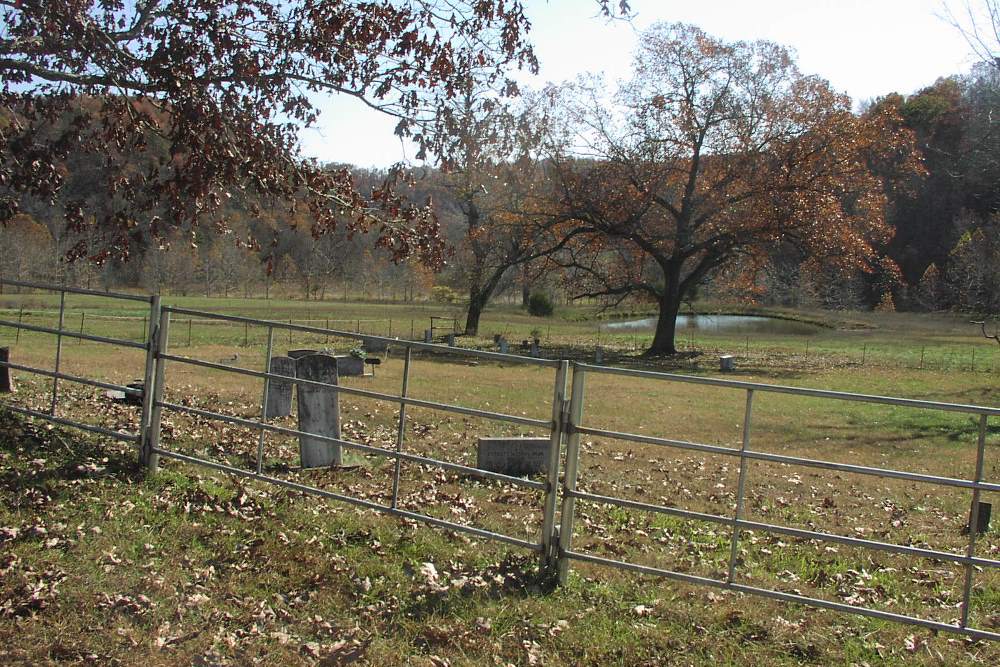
99, 563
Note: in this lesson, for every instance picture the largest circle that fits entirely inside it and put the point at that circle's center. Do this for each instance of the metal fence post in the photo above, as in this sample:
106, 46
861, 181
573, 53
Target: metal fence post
263, 399
401, 432
549, 537
740, 489
575, 418
62, 323
150, 457
148, 377
974, 521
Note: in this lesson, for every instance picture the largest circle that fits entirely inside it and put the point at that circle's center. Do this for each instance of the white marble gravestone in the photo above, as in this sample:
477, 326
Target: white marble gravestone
319, 411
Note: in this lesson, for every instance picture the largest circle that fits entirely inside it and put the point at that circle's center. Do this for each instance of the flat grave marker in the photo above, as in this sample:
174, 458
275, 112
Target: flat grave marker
514, 456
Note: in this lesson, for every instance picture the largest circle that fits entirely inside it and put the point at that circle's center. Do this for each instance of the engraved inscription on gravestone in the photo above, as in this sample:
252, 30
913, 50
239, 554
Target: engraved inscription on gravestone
319, 411
279, 393
514, 456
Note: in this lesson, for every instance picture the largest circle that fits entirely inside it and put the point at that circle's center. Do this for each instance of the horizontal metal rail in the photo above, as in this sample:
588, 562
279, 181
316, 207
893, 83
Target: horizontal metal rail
365, 393
70, 378
389, 453
76, 290
74, 334
785, 597
797, 391
360, 502
428, 347
743, 524
791, 460
127, 437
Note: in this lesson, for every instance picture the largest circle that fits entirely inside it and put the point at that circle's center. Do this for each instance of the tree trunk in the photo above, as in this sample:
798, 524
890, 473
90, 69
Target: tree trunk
666, 322
477, 302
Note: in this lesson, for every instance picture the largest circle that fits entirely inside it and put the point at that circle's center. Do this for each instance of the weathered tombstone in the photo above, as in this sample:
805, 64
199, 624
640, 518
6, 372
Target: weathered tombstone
451, 340
535, 352
319, 411
514, 456
298, 354
375, 345
599, 356
727, 362
6, 378
348, 364
279, 393
504, 347
982, 518
134, 397
428, 335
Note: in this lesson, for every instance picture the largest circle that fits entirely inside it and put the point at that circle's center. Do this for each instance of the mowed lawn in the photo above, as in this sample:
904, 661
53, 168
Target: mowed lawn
100, 563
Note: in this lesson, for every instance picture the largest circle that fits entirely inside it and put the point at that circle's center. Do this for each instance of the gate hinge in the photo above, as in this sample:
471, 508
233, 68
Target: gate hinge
565, 424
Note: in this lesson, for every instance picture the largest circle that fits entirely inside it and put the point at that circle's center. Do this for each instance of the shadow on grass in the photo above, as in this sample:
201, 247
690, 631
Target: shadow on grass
41, 464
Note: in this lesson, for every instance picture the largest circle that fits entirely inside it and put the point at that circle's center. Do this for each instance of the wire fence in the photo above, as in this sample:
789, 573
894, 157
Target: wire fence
556, 504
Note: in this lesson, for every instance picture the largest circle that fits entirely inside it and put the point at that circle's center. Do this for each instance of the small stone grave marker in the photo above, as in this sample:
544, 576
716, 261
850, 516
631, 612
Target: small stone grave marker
535, 352
599, 356
514, 456
504, 346
983, 518
375, 345
451, 340
727, 362
348, 364
428, 335
319, 411
279, 393
6, 378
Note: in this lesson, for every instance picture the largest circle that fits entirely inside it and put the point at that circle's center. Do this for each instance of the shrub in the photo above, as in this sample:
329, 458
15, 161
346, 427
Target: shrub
540, 305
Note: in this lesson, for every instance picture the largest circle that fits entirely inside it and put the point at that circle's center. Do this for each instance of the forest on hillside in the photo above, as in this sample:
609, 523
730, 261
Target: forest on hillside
719, 170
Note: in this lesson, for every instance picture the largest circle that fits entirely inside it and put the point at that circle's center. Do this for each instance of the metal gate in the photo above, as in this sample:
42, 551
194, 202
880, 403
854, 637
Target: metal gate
556, 502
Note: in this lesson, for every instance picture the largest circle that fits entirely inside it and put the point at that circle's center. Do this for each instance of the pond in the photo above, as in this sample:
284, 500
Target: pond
720, 323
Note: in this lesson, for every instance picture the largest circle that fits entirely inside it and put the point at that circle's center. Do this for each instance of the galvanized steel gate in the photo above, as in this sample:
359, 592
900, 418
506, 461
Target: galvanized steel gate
554, 542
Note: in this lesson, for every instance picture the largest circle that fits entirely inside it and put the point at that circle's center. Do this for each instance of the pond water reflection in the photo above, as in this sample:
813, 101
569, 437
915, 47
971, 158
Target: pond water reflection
721, 323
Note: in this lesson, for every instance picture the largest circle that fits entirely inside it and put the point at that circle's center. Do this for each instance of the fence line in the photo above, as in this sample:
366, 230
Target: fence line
738, 524
555, 533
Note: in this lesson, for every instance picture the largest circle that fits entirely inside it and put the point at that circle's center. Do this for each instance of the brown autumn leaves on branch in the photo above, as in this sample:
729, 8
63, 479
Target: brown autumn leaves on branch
192, 105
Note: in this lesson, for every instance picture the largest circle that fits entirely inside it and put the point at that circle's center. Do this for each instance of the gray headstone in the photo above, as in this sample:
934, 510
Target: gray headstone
514, 456
319, 411
375, 345
451, 340
428, 335
348, 365
279, 393
727, 362
535, 352
599, 356
6, 378
983, 512
298, 354
504, 347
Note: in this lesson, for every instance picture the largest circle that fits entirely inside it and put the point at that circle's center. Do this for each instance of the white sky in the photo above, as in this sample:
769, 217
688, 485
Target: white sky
865, 48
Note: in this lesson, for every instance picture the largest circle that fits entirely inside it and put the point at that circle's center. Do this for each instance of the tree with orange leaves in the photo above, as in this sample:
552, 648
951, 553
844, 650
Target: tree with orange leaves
712, 152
